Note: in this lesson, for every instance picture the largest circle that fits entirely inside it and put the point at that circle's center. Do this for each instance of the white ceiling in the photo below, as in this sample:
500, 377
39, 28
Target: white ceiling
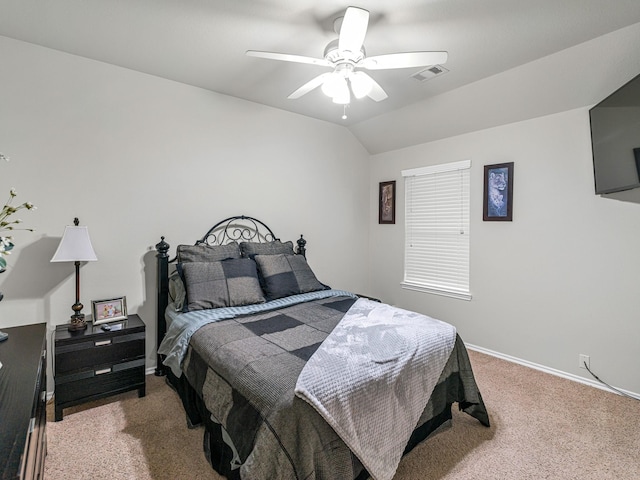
202, 42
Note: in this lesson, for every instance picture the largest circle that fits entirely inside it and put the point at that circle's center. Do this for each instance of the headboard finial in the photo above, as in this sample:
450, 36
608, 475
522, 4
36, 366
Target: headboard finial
162, 247
301, 246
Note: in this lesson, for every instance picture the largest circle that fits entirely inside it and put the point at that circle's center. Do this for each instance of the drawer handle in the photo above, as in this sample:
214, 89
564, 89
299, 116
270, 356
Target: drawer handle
103, 342
104, 370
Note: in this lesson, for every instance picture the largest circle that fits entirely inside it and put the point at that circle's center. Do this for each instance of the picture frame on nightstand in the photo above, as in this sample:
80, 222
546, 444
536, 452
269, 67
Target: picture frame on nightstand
109, 310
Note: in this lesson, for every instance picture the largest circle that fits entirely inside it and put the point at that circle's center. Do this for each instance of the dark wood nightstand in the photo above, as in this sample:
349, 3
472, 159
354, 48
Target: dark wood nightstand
97, 363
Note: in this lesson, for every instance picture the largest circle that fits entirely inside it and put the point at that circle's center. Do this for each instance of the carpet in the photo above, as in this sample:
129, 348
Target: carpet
542, 427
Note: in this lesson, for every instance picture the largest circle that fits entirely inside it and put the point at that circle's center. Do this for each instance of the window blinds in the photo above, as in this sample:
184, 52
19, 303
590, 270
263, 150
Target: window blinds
437, 229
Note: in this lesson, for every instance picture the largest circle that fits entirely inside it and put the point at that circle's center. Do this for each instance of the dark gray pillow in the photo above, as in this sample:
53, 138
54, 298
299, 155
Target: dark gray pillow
230, 283
251, 249
284, 275
207, 253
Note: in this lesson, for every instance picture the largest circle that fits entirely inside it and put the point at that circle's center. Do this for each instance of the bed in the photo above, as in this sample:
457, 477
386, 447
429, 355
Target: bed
292, 379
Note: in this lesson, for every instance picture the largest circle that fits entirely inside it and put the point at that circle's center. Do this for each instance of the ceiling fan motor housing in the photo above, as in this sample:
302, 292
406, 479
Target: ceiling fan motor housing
334, 55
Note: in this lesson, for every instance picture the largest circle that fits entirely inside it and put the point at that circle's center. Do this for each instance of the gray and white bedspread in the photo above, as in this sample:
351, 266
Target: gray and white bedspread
245, 371
372, 377
183, 325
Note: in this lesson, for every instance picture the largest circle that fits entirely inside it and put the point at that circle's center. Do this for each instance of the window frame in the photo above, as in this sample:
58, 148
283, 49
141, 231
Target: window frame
446, 245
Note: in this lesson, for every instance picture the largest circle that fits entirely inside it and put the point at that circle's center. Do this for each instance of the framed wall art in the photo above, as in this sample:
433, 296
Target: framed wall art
110, 310
387, 202
498, 192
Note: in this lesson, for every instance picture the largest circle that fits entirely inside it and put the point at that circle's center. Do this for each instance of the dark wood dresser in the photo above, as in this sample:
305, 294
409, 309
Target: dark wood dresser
23, 398
95, 363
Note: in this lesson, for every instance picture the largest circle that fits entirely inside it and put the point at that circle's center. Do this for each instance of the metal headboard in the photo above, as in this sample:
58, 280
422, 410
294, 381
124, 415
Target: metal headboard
239, 229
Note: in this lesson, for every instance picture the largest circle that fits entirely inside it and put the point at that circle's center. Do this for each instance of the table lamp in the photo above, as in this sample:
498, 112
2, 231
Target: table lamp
75, 246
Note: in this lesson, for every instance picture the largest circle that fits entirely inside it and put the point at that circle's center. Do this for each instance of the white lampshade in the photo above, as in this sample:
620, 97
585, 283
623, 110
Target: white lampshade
75, 246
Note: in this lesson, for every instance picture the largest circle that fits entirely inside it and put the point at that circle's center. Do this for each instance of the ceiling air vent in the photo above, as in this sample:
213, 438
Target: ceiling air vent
429, 73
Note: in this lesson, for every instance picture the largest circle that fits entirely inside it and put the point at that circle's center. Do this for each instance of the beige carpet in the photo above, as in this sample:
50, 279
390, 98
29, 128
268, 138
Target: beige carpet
543, 427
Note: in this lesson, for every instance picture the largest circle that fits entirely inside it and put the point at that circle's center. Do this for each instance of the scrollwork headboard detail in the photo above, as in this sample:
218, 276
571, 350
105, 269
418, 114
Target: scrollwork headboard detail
239, 229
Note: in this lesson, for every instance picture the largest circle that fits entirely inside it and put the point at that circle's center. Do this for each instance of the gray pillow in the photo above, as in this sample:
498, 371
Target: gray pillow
207, 253
177, 291
251, 249
284, 275
230, 283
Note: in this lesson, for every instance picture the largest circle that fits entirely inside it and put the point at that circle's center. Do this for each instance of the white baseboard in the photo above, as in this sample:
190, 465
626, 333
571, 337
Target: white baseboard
552, 371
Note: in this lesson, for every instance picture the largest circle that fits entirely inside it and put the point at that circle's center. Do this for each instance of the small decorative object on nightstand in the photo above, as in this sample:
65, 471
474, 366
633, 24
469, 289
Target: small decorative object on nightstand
98, 362
75, 246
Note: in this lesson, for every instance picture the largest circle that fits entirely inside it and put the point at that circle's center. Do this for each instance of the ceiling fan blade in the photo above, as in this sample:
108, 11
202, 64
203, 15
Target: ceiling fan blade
353, 29
310, 85
287, 57
376, 93
403, 60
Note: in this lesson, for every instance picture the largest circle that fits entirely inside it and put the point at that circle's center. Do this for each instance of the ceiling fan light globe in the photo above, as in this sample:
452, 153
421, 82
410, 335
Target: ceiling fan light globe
331, 85
336, 86
361, 84
343, 98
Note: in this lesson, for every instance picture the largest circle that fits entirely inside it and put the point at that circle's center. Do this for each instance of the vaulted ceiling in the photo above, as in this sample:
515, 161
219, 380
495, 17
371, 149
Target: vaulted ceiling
203, 42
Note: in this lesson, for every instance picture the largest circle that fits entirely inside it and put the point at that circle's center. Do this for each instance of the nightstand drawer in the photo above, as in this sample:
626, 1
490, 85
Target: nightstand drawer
84, 385
98, 351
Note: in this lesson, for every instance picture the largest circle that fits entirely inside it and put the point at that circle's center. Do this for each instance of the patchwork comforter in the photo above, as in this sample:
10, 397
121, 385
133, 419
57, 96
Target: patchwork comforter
243, 372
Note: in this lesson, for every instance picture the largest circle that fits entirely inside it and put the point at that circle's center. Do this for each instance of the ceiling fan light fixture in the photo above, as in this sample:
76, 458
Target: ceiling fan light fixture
336, 87
342, 98
331, 85
361, 84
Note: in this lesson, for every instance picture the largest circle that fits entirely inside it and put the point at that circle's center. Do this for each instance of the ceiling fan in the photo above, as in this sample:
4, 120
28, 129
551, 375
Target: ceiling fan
346, 56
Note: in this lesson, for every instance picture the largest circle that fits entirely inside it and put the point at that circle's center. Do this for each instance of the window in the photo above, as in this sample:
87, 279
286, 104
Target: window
436, 258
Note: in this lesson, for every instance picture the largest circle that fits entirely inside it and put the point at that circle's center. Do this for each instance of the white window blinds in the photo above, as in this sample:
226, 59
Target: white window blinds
437, 229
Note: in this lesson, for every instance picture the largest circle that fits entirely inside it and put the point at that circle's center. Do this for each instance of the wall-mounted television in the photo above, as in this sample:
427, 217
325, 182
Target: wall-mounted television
615, 139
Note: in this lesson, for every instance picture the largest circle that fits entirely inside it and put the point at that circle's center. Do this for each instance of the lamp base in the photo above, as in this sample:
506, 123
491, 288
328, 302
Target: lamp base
77, 324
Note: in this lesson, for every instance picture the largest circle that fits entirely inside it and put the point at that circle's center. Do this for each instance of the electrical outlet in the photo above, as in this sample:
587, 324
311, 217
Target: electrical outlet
582, 360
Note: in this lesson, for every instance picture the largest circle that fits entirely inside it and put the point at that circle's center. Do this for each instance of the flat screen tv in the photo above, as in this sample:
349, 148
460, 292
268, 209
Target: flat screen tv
615, 139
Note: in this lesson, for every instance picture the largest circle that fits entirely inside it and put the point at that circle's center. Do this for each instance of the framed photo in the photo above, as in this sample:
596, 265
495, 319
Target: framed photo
498, 192
110, 310
387, 206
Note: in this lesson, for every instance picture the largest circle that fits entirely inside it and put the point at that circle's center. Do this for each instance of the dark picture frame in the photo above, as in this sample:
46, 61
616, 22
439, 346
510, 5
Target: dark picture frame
110, 310
387, 202
497, 200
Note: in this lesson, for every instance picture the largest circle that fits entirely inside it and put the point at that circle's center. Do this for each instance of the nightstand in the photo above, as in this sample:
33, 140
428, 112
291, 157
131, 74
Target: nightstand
96, 363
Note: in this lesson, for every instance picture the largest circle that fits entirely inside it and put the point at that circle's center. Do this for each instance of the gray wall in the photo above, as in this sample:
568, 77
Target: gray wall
562, 278
136, 157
